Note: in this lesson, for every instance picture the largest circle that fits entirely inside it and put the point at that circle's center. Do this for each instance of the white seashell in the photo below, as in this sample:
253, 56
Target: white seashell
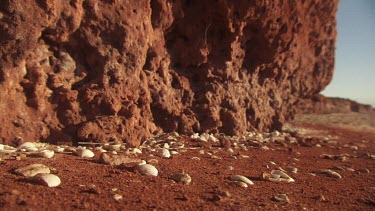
85, 153
146, 169
49, 180
32, 170
164, 153
46, 153
241, 178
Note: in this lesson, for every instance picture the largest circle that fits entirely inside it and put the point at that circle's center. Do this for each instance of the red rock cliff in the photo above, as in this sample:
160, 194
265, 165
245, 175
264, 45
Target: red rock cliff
101, 70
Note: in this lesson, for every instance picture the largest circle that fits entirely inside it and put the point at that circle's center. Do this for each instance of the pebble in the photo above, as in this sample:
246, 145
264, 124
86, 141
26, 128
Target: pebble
174, 152
230, 168
46, 179
115, 160
292, 169
240, 184
241, 178
330, 173
365, 171
277, 176
146, 169
112, 146
182, 178
281, 198
84, 153
46, 153
117, 196
32, 170
195, 158
164, 153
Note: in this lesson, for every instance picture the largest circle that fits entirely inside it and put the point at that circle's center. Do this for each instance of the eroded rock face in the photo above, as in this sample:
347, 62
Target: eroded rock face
114, 70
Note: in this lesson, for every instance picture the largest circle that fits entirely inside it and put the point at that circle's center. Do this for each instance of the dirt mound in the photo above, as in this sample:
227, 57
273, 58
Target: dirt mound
124, 70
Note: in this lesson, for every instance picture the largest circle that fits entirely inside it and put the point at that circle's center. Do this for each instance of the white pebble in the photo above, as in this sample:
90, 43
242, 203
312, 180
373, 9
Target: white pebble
241, 178
117, 197
32, 170
146, 169
164, 153
46, 153
49, 180
85, 153
174, 152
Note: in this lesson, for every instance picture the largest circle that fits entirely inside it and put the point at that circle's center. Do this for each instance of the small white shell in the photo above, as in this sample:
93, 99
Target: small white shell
241, 178
49, 180
146, 169
46, 153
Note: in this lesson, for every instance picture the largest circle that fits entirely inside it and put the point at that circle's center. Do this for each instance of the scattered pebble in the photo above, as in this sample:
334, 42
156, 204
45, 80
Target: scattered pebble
241, 178
115, 160
231, 168
146, 169
32, 170
117, 197
84, 153
46, 153
281, 198
182, 178
240, 184
164, 153
277, 176
46, 179
329, 173
364, 171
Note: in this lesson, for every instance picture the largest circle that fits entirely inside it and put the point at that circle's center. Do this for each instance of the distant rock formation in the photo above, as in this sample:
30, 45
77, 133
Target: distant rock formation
102, 70
320, 104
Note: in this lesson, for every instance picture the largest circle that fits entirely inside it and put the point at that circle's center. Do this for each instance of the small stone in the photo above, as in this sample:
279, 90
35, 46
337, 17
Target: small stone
164, 153
32, 170
115, 160
84, 153
281, 198
364, 171
241, 178
26, 145
277, 176
182, 178
195, 158
49, 180
240, 184
46, 153
230, 168
174, 152
112, 146
330, 173
230, 150
201, 152
153, 161
292, 169
117, 197
354, 147
146, 169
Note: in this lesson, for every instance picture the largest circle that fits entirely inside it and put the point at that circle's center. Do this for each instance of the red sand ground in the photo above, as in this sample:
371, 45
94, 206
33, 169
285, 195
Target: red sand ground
87, 184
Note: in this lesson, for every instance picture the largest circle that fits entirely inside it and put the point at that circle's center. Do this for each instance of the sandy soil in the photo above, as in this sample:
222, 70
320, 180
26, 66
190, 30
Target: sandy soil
87, 184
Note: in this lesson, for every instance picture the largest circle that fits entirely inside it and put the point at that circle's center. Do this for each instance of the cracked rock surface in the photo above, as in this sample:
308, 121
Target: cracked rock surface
102, 71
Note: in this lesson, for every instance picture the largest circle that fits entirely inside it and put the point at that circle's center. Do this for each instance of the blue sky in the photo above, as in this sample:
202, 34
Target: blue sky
354, 75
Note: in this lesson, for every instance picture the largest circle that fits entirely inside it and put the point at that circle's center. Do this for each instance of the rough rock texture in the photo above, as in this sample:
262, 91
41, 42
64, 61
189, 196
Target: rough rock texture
110, 70
320, 104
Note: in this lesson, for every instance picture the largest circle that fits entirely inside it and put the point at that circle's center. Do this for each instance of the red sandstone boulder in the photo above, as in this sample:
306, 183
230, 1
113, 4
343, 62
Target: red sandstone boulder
123, 70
